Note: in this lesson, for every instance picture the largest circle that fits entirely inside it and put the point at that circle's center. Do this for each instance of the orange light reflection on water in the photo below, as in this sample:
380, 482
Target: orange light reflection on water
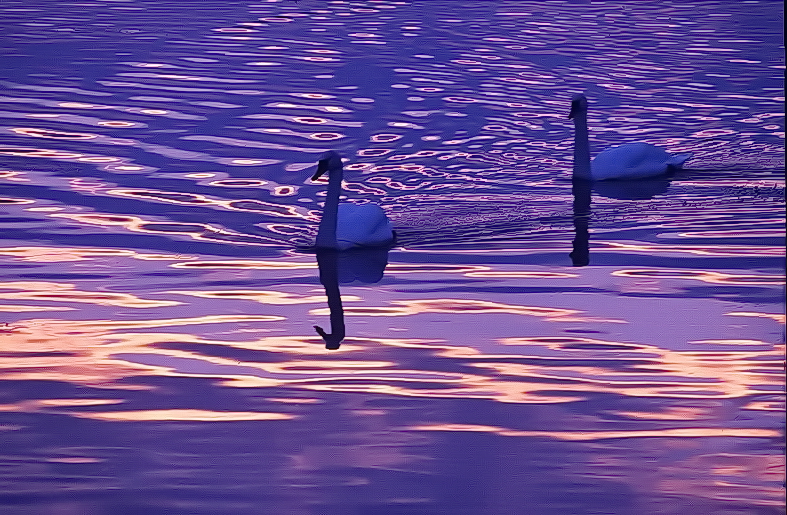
62, 292
261, 296
605, 435
703, 275
704, 250
61, 254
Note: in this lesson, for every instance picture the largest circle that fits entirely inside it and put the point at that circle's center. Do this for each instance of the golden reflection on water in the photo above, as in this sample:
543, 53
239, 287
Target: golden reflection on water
766, 406
603, 435
63, 292
731, 342
94, 347
702, 275
671, 413
773, 316
263, 297
705, 250
64, 254
101, 352
454, 306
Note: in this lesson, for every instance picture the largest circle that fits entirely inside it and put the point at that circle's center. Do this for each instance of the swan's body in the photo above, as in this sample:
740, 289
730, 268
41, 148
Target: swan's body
634, 161
362, 226
628, 161
346, 226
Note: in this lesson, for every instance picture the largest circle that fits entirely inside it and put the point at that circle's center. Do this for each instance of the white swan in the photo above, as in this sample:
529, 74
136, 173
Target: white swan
627, 161
345, 226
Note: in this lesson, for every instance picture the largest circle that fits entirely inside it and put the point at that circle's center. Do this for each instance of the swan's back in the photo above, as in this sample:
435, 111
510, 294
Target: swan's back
630, 161
362, 225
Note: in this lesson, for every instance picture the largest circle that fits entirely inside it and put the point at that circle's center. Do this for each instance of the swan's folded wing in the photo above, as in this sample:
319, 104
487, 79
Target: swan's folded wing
629, 161
639, 154
363, 225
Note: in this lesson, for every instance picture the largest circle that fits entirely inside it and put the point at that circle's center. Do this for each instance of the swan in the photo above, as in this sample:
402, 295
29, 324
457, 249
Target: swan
345, 226
627, 161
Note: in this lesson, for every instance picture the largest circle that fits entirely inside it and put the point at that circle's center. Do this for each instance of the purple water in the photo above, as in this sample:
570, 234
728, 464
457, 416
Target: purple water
157, 345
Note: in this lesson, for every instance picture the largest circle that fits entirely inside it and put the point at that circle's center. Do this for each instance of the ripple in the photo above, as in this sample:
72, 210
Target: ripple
192, 415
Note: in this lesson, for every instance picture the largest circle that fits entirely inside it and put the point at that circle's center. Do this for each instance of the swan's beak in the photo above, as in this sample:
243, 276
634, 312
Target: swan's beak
322, 167
579, 104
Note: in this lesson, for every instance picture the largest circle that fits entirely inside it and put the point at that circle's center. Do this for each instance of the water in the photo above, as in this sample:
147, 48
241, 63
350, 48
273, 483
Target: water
158, 350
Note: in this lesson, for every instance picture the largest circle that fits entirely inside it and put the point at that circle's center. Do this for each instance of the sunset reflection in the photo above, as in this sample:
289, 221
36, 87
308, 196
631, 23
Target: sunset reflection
605, 435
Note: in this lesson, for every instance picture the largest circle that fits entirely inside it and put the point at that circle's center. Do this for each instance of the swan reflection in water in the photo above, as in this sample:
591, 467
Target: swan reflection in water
364, 266
633, 171
352, 244
580, 253
327, 261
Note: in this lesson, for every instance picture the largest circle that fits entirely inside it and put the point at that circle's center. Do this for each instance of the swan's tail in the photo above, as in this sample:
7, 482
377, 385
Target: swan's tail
676, 160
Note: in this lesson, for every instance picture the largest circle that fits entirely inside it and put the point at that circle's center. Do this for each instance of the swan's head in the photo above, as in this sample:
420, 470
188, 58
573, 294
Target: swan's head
579, 105
328, 161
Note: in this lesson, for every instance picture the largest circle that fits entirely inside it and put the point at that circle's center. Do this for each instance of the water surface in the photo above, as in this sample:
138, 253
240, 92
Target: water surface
157, 343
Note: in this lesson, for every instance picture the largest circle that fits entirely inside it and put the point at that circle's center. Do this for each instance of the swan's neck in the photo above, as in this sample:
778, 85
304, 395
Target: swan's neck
581, 147
326, 235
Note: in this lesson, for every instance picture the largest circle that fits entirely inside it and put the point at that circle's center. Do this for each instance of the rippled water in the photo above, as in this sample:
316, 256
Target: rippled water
157, 348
